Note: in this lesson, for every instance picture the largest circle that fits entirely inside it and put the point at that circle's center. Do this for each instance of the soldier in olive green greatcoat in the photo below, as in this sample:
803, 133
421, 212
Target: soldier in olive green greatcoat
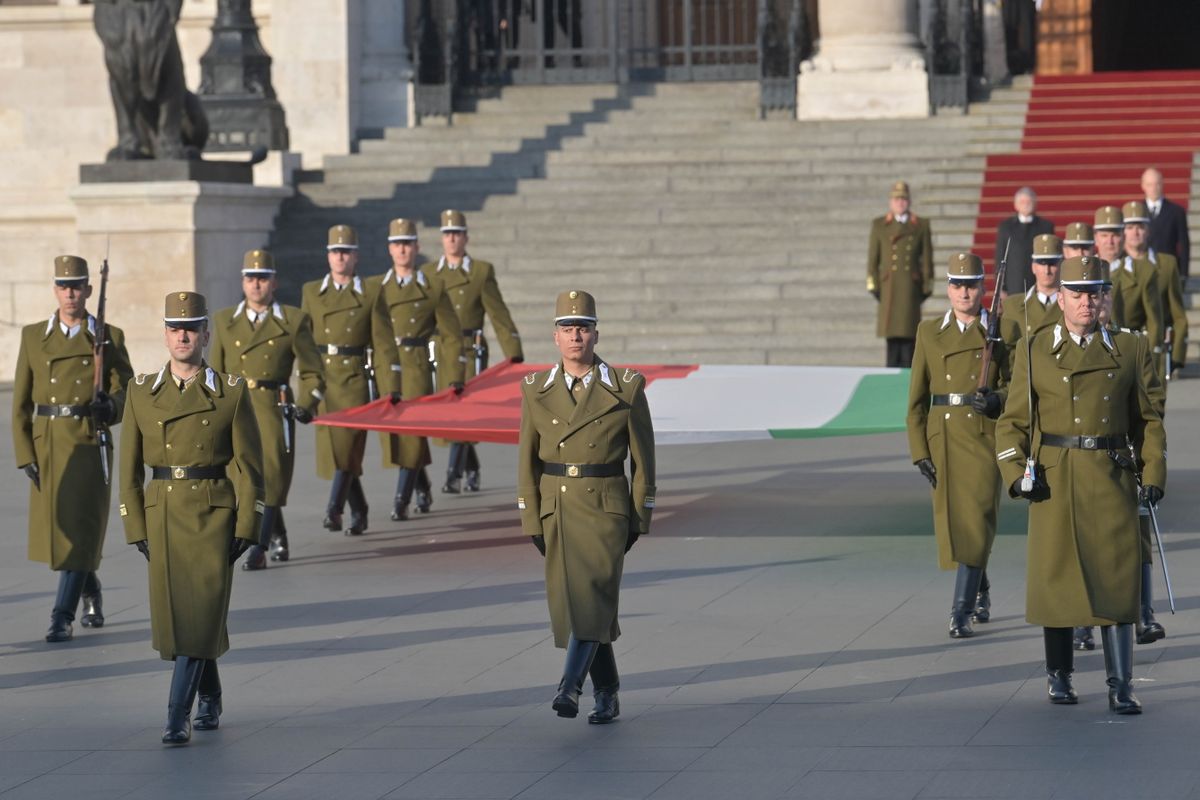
54, 419
193, 430
952, 434
1090, 401
262, 340
1137, 303
417, 307
352, 332
1170, 284
471, 285
1036, 309
899, 274
580, 421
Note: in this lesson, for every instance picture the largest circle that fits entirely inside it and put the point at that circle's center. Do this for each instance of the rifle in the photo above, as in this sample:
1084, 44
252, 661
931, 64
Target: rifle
103, 435
993, 326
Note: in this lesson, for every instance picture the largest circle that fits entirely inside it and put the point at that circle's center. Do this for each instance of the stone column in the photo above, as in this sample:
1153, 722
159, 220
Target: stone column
868, 63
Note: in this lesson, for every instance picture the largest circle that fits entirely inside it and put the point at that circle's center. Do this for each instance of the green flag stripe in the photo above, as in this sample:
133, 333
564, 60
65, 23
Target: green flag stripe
879, 404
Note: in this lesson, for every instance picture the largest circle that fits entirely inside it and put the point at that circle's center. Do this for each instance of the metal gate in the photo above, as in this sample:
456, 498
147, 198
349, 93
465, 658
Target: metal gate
468, 47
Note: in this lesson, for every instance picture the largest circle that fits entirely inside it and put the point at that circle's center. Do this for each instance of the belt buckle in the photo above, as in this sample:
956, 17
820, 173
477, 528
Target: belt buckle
64, 411
572, 470
331, 349
1089, 442
177, 473
956, 399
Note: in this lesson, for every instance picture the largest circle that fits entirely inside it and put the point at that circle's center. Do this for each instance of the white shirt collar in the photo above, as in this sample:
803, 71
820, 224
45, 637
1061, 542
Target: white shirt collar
1058, 337
570, 379
70, 331
1025, 220
962, 326
418, 276
466, 264
356, 283
901, 218
243, 308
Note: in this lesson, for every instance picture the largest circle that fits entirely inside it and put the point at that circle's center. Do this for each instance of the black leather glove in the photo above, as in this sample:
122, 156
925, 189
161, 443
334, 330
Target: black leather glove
929, 471
986, 402
1037, 494
457, 386
518, 359
302, 415
1150, 495
394, 397
31, 472
143, 547
104, 409
631, 540
237, 547
539, 542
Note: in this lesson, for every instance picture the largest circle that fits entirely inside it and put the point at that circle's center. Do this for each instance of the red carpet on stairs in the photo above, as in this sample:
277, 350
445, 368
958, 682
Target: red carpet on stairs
1087, 140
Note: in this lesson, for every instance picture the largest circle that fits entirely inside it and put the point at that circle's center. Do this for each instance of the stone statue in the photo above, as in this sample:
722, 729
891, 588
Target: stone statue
157, 117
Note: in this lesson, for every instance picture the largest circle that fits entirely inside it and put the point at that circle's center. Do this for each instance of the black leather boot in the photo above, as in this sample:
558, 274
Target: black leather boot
208, 703
405, 482
1060, 663
424, 491
70, 587
966, 588
1083, 639
184, 682
983, 601
1118, 666
471, 470
338, 491
256, 556
575, 670
605, 683
93, 603
454, 470
358, 508
1149, 629
279, 542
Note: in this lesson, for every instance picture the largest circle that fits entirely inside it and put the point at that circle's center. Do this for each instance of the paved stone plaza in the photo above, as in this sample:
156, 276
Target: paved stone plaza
784, 636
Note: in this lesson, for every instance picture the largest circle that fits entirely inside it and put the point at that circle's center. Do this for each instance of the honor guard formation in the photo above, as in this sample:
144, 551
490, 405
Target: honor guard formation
1052, 390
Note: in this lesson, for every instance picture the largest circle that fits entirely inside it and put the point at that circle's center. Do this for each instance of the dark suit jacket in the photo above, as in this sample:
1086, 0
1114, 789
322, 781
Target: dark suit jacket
1020, 255
1169, 233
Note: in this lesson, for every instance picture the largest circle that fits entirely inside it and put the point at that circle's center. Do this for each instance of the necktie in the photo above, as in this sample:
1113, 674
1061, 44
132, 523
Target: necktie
182, 385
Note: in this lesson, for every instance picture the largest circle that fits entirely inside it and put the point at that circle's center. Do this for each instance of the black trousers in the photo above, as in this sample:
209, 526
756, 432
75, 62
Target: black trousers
900, 352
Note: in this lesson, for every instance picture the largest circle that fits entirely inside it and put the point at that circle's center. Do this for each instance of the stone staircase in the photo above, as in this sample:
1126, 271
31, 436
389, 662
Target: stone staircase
708, 235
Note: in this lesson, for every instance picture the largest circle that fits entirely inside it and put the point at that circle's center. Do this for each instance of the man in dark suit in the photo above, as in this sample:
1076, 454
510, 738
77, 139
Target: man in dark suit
1021, 229
1168, 221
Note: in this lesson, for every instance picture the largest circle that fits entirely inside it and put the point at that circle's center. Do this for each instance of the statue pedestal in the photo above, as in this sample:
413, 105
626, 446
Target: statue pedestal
165, 236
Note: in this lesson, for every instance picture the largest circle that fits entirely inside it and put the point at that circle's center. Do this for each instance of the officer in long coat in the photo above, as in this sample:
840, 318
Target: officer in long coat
1136, 301
1170, 284
417, 307
951, 435
352, 333
191, 430
1090, 401
899, 274
580, 421
263, 340
1037, 308
54, 419
472, 287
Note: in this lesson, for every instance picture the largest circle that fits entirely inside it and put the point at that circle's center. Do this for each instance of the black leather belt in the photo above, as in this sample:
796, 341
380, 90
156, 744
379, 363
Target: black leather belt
62, 411
951, 400
260, 383
1086, 442
472, 331
583, 470
187, 473
412, 341
340, 350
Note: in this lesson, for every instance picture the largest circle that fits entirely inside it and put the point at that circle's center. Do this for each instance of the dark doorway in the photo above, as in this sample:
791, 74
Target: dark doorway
1145, 34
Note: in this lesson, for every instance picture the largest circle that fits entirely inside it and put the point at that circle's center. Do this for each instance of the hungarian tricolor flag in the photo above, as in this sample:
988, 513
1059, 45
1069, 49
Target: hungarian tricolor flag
688, 403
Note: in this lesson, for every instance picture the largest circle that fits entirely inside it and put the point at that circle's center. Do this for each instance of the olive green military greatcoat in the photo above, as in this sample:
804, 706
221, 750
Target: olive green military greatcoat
1170, 287
586, 521
417, 310
190, 524
1137, 301
1013, 324
281, 341
68, 516
900, 270
959, 441
473, 291
348, 317
1083, 562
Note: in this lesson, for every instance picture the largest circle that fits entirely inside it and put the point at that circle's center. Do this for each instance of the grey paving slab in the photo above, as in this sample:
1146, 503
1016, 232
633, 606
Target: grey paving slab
783, 636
